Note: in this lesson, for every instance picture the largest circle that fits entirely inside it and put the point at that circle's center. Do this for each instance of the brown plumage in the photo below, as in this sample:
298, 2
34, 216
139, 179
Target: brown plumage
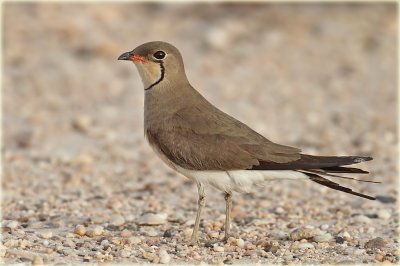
209, 146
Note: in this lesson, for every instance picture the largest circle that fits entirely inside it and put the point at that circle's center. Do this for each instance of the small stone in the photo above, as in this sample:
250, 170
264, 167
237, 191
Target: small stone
125, 254
359, 251
346, 236
46, 234
272, 249
165, 258
294, 246
37, 261
384, 214
218, 248
135, 240
152, 219
12, 224
378, 243
362, 219
117, 220
232, 240
291, 225
240, 243
69, 243
168, 233
97, 231
302, 233
148, 255
126, 233
379, 257
188, 232
323, 238
213, 234
35, 224
279, 210
324, 226
371, 230
67, 252
80, 230
82, 123
305, 245
339, 240
250, 247
152, 233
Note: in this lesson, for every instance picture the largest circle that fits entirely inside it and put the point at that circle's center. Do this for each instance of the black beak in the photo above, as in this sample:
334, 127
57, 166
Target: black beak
125, 56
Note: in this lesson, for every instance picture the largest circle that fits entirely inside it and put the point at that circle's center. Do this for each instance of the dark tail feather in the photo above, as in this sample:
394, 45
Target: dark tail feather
340, 169
322, 172
325, 182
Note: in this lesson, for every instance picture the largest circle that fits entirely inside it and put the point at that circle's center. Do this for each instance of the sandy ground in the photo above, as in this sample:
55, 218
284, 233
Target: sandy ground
80, 184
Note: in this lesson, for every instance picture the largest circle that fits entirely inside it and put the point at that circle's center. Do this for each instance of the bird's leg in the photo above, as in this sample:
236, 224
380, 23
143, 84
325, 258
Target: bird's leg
228, 200
201, 203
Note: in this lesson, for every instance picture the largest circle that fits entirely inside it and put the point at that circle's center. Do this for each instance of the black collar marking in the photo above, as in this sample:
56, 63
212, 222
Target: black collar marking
160, 79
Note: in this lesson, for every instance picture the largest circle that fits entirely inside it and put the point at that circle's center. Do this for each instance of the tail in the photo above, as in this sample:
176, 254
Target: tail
328, 183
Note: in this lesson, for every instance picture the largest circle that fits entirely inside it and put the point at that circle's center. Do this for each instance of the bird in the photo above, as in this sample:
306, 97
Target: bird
210, 147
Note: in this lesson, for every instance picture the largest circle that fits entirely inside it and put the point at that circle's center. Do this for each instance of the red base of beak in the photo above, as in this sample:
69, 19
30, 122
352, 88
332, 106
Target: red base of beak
137, 58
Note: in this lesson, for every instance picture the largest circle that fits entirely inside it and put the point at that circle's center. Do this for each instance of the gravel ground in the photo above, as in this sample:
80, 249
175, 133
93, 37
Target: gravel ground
80, 184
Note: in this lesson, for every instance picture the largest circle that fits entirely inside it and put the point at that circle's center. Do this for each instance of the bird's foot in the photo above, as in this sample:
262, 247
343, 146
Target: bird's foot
225, 239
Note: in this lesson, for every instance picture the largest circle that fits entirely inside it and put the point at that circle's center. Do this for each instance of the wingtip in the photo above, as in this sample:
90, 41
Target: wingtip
362, 159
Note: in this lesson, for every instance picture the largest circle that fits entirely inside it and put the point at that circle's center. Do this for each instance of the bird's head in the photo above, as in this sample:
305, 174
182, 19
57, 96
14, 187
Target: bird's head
158, 63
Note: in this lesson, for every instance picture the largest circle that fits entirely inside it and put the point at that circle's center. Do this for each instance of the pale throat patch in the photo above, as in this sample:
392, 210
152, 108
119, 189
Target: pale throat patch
149, 73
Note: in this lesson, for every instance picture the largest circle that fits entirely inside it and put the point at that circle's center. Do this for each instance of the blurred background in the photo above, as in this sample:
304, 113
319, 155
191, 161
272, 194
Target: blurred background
321, 77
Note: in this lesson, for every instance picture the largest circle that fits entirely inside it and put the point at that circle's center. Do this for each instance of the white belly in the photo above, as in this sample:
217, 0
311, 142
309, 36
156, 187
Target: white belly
239, 180
243, 181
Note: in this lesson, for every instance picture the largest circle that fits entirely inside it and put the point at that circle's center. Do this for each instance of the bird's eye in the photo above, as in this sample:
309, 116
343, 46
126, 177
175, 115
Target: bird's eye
159, 55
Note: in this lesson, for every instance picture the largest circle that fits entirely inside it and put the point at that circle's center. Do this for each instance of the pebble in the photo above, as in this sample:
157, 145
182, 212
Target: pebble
240, 243
117, 220
152, 219
302, 233
37, 261
97, 231
46, 234
384, 214
80, 230
279, 210
305, 245
82, 123
152, 233
13, 224
126, 233
188, 232
362, 219
148, 255
135, 240
35, 224
378, 243
379, 257
324, 226
250, 246
323, 238
165, 258
11, 243
218, 248
213, 234
124, 253
345, 235
69, 243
